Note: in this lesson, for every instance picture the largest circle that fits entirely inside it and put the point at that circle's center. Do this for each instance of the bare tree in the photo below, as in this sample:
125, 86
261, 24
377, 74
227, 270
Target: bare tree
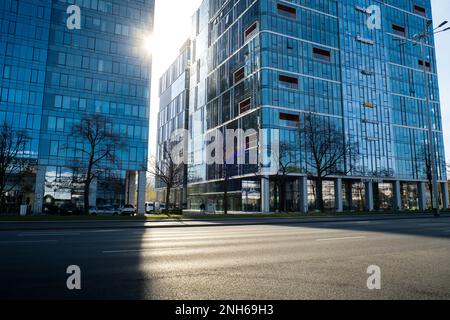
286, 164
425, 157
327, 152
99, 149
13, 165
169, 171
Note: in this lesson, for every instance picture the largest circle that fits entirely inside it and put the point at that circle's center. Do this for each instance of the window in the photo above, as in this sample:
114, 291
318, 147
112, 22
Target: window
239, 75
420, 10
51, 123
6, 72
245, 105
427, 64
286, 11
58, 101
322, 54
251, 141
34, 76
288, 119
290, 44
398, 30
288, 82
250, 30
40, 12
12, 27
54, 146
369, 105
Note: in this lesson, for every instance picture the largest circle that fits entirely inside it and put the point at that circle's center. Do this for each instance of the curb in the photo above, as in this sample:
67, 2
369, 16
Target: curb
204, 223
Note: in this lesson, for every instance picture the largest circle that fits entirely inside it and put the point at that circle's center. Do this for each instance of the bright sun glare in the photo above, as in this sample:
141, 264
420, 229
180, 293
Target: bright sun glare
148, 44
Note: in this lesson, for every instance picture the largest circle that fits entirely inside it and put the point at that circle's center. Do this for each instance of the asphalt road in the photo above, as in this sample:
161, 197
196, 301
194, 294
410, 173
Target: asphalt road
323, 260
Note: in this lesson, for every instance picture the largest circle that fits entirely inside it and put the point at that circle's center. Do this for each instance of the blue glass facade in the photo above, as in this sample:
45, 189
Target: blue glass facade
288, 59
52, 77
173, 116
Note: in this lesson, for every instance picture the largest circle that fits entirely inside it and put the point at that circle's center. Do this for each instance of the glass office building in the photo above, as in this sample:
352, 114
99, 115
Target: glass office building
173, 116
267, 64
52, 76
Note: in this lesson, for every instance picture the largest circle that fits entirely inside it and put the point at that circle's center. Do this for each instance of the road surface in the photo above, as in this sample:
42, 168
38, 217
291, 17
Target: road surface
322, 260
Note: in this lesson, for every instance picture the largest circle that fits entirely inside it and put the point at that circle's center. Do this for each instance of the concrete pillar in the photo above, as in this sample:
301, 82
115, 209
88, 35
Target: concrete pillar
397, 196
142, 186
303, 194
422, 196
93, 193
130, 188
338, 195
444, 189
39, 190
265, 195
369, 196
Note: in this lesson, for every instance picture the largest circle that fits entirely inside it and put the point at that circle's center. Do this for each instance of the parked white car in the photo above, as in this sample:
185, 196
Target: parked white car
150, 207
107, 211
127, 210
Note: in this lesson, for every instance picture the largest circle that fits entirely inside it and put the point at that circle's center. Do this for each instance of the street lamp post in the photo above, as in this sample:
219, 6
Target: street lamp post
421, 39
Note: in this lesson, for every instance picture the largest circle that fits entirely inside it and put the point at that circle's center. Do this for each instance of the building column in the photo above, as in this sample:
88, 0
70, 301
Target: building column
303, 194
39, 190
397, 196
93, 193
338, 195
142, 186
265, 195
369, 196
445, 195
130, 188
422, 196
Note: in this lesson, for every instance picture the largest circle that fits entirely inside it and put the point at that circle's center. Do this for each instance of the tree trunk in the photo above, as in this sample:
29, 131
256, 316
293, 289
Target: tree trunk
225, 199
168, 189
319, 195
275, 195
283, 196
87, 187
430, 186
2, 203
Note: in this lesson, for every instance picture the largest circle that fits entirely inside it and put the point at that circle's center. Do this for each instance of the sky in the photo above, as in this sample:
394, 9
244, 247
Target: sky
172, 29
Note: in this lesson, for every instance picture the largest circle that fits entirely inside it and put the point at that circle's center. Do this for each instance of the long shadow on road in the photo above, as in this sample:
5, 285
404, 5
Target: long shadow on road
34, 264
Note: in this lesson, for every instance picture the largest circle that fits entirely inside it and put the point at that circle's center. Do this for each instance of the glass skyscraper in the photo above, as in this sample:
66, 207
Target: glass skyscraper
52, 76
172, 116
270, 64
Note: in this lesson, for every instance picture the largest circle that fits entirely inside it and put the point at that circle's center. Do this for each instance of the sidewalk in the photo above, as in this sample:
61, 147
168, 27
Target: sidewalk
174, 223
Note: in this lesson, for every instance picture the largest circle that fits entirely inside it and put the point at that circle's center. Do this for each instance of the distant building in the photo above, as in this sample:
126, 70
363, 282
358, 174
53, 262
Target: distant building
173, 115
52, 76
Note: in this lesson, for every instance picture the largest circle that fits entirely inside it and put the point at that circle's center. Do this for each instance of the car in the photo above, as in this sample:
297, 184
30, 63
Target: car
68, 209
108, 211
127, 210
93, 211
149, 207
49, 208
160, 207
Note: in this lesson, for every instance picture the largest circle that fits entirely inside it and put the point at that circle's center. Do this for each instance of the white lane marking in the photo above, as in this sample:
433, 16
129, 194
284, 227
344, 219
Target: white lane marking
43, 234
236, 236
344, 238
27, 241
105, 231
142, 250
361, 222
